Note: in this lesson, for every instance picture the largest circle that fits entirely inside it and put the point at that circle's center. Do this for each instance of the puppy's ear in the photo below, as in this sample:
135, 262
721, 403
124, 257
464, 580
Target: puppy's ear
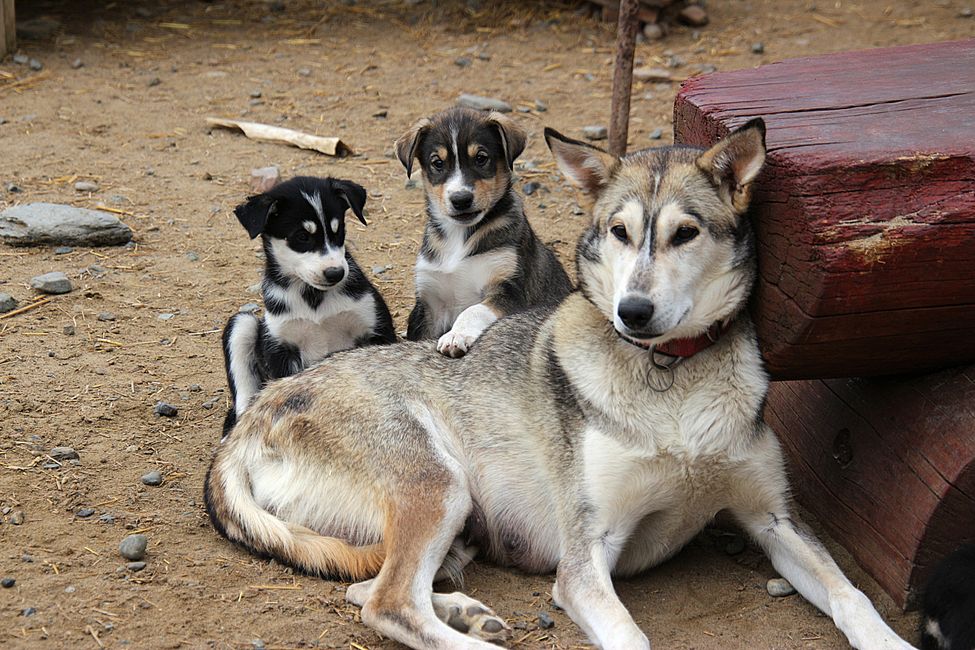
512, 137
353, 194
735, 162
585, 166
409, 142
253, 214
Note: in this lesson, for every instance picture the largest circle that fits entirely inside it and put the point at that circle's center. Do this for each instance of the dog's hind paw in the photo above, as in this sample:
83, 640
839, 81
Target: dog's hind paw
455, 344
471, 617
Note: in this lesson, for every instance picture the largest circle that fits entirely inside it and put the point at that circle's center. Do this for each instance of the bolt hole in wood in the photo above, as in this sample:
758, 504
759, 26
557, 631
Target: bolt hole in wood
843, 448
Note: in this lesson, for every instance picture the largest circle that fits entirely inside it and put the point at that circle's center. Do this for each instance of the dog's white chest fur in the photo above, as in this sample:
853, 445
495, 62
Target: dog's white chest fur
336, 324
457, 281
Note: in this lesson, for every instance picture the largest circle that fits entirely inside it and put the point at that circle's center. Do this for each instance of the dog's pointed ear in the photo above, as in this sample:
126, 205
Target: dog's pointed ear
353, 194
408, 144
587, 167
513, 138
253, 214
734, 162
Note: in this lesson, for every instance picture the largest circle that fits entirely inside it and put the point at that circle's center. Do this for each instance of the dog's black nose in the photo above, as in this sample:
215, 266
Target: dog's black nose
635, 312
462, 200
333, 274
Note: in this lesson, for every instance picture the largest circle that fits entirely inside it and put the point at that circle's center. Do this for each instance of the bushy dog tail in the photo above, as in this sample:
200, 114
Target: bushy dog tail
238, 517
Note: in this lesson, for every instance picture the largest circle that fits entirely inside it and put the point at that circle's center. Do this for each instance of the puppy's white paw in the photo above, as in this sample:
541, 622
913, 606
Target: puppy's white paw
456, 343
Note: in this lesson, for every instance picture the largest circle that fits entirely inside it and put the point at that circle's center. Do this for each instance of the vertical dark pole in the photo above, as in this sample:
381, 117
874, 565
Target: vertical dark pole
623, 76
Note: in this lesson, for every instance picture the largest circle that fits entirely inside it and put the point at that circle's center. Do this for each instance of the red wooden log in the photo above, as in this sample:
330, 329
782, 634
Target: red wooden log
866, 210
887, 465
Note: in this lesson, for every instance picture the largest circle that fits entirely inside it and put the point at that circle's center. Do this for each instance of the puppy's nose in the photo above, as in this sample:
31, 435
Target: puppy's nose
333, 274
462, 200
635, 312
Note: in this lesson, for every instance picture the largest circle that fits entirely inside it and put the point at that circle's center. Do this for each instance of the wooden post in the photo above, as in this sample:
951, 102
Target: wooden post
623, 76
8, 28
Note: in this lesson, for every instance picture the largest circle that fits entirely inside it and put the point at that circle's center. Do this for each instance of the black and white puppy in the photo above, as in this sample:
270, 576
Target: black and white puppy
316, 298
480, 259
948, 621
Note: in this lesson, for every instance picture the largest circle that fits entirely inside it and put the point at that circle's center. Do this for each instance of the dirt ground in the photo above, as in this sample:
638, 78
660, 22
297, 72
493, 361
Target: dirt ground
132, 120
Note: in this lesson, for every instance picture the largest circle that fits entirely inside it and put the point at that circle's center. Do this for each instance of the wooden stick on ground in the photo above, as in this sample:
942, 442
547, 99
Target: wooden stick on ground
619, 124
21, 310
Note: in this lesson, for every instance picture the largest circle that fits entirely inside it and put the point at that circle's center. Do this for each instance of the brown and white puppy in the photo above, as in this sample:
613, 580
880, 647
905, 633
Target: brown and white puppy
552, 446
480, 259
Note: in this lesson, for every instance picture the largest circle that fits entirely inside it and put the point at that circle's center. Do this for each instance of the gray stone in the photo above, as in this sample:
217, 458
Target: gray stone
166, 410
153, 81
656, 134
107, 518
17, 517
463, 62
28, 611
63, 250
264, 178
779, 587
192, 256
21, 59
531, 187
165, 316
653, 32
411, 184
249, 308
106, 316
77, 63
32, 224
152, 478
693, 15
54, 282
84, 513
13, 188
545, 621
135, 566
379, 270
7, 583
758, 48
195, 388
35, 65
595, 132
7, 302
86, 186
966, 12
706, 68
483, 103
304, 72
256, 94
647, 74
133, 547
70, 589
68, 330
63, 453
540, 106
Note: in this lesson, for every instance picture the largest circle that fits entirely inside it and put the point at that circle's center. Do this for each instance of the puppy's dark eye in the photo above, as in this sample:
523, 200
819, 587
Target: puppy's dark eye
619, 231
302, 237
684, 234
436, 163
481, 159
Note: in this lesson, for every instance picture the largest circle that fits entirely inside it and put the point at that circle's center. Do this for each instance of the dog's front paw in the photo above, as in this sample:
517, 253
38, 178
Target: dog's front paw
471, 617
455, 343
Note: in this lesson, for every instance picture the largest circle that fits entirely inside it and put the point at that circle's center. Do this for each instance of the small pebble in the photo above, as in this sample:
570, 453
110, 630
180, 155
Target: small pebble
779, 587
152, 478
966, 12
531, 187
133, 547
77, 63
758, 48
55, 282
656, 134
26, 558
411, 184
249, 308
107, 518
256, 94
484, 56
165, 316
86, 186
693, 15
106, 316
13, 188
84, 513
304, 72
193, 257
254, 288
63, 250
7, 302
154, 81
462, 62
70, 589
545, 621
195, 388
28, 611
379, 270
68, 330
540, 106
63, 453
21, 59
653, 32
7, 583
135, 566
381, 115
166, 410
596, 132
35, 64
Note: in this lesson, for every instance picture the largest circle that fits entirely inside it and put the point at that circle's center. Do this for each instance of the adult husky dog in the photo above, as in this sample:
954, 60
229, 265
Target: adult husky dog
593, 439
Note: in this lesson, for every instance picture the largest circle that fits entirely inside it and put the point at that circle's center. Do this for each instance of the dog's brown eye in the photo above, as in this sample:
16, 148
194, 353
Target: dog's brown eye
481, 159
684, 234
436, 163
619, 231
302, 237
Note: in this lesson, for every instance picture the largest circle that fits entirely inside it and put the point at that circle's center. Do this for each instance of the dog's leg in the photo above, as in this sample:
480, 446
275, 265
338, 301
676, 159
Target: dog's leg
418, 324
584, 589
458, 557
468, 326
759, 503
240, 339
399, 602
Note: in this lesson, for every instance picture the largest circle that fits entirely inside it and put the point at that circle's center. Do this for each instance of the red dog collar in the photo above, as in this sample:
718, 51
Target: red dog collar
685, 348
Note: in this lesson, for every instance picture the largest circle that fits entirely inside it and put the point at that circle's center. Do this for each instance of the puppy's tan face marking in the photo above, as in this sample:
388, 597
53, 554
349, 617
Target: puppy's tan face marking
466, 158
